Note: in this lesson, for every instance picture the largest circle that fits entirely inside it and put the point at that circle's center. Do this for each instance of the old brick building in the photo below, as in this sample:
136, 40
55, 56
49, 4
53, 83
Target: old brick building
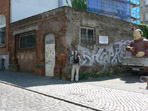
14, 10
27, 41
42, 44
4, 33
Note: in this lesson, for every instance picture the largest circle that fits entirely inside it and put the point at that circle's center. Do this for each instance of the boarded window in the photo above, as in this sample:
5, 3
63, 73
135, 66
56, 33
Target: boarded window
2, 30
87, 36
27, 41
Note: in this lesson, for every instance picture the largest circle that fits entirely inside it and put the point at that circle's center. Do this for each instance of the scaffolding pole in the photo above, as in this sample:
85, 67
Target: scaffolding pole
135, 11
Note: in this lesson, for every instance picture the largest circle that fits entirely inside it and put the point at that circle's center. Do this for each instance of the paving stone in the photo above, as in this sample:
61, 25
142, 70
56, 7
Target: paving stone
98, 97
16, 99
89, 94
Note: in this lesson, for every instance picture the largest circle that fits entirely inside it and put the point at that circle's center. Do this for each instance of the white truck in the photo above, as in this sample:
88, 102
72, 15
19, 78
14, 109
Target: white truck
135, 64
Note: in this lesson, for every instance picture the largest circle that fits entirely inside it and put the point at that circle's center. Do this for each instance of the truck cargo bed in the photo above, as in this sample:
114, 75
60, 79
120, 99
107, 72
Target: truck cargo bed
134, 61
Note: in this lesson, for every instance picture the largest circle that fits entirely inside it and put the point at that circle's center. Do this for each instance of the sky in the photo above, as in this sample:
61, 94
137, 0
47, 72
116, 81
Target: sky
21, 9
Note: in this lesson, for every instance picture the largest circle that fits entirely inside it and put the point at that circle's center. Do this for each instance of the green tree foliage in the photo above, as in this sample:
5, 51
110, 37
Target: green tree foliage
78, 4
144, 28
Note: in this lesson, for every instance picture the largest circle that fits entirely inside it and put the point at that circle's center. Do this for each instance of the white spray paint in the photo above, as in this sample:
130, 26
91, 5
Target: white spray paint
110, 55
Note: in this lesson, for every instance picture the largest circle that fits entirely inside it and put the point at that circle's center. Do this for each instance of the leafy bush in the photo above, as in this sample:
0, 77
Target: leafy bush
144, 28
83, 76
78, 4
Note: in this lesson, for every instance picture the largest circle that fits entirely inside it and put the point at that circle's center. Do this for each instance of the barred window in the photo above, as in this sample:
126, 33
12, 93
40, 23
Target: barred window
27, 40
87, 35
141, 17
2, 36
146, 17
2, 30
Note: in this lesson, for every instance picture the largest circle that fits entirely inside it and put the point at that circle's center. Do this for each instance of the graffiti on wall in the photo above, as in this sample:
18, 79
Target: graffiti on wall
110, 55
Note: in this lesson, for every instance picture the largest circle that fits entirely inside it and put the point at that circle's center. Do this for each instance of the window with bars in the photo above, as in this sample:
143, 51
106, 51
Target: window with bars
146, 17
2, 36
141, 17
87, 36
27, 41
2, 30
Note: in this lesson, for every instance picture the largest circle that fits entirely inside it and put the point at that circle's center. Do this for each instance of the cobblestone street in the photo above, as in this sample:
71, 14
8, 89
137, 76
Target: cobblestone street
106, 99
17, 99
85, 93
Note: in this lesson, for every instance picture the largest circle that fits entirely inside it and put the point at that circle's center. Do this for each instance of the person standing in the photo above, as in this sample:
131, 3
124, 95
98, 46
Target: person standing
75, 59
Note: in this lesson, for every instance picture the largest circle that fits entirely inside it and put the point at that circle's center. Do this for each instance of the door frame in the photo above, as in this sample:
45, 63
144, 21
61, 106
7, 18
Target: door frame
50, 35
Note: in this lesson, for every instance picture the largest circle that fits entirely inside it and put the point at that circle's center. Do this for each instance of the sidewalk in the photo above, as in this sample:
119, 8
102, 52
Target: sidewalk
106, 99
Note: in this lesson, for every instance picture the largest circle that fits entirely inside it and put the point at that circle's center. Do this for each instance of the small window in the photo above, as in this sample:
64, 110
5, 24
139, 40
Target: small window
146, 17
87, 36
2, 30
27, 41
141, 18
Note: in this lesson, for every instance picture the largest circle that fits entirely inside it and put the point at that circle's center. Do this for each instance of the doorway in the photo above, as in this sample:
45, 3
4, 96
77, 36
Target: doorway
49, 55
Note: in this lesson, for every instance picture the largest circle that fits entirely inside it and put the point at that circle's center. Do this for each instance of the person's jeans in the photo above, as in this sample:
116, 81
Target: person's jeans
75, 68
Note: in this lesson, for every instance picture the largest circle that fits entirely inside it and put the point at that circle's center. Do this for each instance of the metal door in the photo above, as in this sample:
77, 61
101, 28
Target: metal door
49, 55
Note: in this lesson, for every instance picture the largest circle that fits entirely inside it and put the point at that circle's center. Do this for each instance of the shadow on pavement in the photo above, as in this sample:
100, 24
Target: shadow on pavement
132, 78
127, 77
29, 80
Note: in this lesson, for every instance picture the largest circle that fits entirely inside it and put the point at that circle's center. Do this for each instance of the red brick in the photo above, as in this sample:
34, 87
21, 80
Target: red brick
46, 26
5, 10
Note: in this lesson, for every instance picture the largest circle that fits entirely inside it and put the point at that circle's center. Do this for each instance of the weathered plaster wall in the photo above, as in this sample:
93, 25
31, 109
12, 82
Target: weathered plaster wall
96, 55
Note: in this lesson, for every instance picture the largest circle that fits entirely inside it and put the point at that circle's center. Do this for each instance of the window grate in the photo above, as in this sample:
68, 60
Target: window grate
2, 36
87, 36
27, 41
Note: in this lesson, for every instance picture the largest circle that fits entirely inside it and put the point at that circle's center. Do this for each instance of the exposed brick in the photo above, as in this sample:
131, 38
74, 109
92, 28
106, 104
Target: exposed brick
53, 24
5, 10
